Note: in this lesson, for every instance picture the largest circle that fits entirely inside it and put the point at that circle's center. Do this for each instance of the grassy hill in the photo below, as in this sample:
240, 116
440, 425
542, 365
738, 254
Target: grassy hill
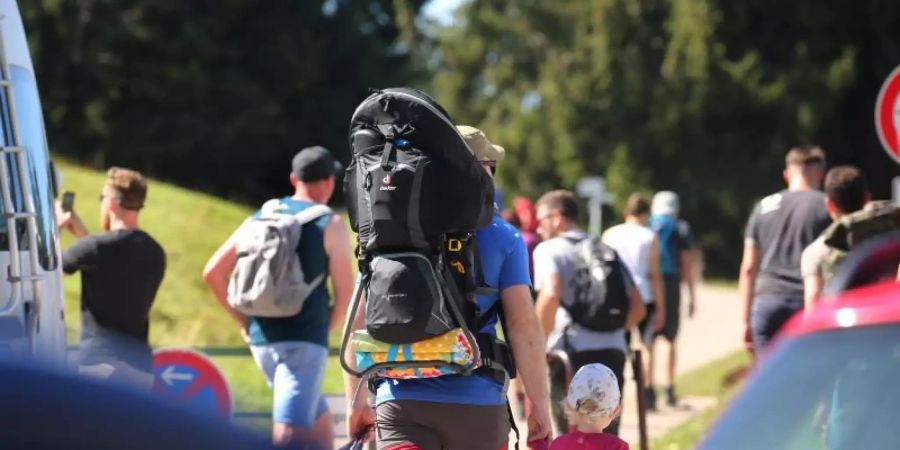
190, 226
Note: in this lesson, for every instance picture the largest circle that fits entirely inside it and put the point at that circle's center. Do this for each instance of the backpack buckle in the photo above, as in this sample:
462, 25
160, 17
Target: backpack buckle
454, 245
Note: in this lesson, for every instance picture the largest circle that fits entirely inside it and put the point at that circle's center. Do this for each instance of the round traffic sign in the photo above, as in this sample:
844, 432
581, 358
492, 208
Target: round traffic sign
190, 378
887, 114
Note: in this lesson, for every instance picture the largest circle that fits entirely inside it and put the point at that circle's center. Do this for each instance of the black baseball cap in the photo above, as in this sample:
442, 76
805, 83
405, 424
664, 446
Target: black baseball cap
314, 164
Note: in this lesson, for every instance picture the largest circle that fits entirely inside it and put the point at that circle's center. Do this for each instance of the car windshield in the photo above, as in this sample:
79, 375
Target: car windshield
834, 390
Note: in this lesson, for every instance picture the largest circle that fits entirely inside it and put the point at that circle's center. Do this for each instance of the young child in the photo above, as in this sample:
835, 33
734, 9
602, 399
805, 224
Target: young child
591, 404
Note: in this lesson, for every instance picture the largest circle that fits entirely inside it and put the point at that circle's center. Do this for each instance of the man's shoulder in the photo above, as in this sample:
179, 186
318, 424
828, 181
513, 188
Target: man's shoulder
283, 205
660, 219
554, 246
152, 242
813, 255
499, 233
770, 203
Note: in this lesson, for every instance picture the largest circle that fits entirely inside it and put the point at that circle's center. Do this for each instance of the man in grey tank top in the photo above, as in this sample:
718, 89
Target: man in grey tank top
554, 271
780, 227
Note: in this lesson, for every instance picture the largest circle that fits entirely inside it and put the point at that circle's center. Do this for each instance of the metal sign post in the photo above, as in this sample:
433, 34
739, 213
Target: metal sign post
895, 189
594, 189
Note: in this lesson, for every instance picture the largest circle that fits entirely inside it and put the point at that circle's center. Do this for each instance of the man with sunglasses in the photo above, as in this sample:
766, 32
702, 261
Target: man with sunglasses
556, 266
781, 226
121, 270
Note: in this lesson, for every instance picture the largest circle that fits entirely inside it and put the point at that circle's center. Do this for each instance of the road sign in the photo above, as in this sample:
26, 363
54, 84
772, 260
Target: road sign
191, 379
887, 114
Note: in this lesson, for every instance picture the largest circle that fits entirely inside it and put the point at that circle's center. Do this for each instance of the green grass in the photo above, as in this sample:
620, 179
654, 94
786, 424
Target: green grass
710, 380
190, 226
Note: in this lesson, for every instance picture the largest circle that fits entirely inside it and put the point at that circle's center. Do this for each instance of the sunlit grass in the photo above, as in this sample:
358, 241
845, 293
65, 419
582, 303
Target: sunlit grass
710, 380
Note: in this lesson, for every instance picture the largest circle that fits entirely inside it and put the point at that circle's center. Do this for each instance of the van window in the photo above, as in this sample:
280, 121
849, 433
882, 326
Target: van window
40, 172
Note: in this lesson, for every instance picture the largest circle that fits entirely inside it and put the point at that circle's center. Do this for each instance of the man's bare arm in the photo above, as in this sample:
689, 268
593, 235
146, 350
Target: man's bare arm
527, 341
812, 288
659, 292
747, 282
361, 415
636, 308
688, 277
337, 246
216, 274
548, 301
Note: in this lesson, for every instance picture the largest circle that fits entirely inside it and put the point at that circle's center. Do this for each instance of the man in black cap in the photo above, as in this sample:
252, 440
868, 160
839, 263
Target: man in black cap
292, 351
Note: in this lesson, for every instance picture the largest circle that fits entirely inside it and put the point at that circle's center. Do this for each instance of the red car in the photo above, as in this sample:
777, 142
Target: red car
832, 378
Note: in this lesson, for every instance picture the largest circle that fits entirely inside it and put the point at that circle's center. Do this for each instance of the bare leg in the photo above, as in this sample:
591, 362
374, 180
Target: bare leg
649, 390
647, 353
670, 373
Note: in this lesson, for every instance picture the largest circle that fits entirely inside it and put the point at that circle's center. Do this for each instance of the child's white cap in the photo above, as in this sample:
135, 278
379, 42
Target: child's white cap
594, 390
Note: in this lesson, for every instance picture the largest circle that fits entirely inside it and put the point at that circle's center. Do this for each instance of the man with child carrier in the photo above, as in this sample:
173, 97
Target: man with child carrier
438, 270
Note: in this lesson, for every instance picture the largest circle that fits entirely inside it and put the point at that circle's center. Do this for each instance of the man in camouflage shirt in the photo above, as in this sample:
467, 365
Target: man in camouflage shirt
854, 221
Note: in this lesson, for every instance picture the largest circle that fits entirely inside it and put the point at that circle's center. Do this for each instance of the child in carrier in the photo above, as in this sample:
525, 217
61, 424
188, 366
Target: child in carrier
591, 404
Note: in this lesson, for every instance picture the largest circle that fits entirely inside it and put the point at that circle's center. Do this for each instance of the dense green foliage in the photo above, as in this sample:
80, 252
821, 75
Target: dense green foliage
215, 95
703, 97
699, 96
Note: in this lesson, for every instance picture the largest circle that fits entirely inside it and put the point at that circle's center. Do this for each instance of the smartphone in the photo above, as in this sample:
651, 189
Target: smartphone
68, 201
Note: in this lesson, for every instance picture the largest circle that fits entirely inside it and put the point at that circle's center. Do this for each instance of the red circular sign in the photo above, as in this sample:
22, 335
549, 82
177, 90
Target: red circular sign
190, 378
887, 115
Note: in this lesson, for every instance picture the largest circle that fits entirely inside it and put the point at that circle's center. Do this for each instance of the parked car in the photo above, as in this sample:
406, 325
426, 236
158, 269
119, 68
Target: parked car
832, 378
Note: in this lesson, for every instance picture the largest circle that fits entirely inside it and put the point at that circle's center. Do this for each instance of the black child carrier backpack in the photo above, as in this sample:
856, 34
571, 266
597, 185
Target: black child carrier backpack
415, 196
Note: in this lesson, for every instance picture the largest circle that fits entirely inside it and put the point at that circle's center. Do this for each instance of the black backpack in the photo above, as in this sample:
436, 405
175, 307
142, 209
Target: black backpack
601, 299
415, 196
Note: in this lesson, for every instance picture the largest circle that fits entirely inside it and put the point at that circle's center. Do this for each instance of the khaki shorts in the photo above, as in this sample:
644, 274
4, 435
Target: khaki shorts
412, 424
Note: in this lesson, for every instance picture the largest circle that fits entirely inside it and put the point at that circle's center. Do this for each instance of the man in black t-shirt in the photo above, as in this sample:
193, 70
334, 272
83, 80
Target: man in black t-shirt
780, 227
121, 270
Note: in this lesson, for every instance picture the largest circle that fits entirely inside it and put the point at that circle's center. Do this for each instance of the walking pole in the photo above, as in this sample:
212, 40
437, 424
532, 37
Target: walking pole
642, 408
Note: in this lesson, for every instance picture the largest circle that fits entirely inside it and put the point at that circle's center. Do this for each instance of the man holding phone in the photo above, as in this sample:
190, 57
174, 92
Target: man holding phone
68, 201
121, 270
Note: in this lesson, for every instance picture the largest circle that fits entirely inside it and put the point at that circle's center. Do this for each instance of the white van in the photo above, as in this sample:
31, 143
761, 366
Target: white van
32, 322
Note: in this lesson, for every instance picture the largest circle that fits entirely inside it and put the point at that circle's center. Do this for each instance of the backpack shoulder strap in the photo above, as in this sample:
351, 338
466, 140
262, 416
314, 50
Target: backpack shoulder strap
312, 213
575, 240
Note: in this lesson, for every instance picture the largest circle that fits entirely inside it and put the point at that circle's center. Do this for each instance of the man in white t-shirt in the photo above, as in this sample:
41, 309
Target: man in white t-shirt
638, 247
554, 271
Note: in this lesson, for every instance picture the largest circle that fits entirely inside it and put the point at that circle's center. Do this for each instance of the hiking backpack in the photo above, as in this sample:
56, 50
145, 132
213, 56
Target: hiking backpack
415, 196
601, 299
268, 278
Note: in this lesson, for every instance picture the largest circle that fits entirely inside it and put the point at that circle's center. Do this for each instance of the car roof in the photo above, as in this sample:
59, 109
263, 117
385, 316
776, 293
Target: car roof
870, 305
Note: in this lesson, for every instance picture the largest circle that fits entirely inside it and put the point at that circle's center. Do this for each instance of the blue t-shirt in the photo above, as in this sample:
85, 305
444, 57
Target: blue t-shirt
674, 237
311, 323
504, 262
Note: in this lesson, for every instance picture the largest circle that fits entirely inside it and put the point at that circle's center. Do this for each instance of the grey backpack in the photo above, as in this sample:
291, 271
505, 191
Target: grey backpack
268, 278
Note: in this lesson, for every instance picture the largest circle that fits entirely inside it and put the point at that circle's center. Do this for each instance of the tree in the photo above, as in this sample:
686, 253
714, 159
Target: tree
215, 95
703, 97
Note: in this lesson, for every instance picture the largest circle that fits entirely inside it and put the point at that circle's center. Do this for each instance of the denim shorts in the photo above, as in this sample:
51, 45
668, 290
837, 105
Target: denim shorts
294, 371
769, 314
